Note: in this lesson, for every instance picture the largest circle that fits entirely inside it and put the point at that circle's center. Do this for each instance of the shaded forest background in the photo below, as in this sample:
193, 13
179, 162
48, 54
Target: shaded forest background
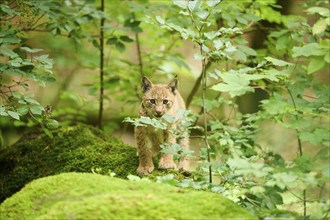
255, 75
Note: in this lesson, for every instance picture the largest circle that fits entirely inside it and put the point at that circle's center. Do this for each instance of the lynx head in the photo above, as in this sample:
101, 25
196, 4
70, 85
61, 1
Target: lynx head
158, 99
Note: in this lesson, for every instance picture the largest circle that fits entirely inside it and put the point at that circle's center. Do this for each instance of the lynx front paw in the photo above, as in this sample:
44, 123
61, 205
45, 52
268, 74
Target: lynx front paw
144, 170
166, 163
183, 165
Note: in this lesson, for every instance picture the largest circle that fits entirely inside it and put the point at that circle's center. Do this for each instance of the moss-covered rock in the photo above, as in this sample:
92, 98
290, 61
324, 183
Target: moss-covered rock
93, 196
73, 149
79, 148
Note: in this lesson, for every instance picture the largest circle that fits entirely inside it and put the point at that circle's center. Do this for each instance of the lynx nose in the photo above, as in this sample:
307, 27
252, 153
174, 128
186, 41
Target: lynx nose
158, 113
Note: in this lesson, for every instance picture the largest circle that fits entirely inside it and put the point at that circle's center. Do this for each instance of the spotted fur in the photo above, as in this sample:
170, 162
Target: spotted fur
158, 100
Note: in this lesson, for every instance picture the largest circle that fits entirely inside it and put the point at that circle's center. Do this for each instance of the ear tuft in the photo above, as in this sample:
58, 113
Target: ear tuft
146, 84
173, 85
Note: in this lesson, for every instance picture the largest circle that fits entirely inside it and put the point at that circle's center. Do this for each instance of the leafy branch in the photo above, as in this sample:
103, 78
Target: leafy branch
203, 79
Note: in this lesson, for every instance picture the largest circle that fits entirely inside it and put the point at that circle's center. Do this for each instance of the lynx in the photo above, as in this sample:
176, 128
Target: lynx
158, 100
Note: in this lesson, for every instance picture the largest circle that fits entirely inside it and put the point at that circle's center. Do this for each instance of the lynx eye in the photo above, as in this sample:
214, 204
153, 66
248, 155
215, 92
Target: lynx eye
165, 101
152, 101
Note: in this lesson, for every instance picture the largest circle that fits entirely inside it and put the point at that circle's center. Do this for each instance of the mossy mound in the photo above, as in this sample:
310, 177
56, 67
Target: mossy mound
73, 149
93, 196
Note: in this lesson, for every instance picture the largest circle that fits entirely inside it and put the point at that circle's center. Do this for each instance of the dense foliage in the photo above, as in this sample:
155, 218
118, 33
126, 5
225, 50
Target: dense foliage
262, 68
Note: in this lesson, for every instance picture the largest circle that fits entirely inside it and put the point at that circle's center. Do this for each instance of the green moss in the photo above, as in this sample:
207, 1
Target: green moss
93, 196
80, 148
73, 149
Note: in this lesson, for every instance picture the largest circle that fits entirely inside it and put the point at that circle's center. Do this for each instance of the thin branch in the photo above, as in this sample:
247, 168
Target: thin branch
196, 85
36, 21
42, 30
101, 98
296, 110
138, 48
299, 149
203, 82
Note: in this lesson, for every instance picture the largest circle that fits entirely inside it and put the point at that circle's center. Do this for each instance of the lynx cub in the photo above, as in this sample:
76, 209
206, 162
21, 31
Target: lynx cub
158, 100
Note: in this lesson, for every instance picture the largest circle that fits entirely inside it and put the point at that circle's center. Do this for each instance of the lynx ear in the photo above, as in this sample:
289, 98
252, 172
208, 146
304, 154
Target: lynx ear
173, 85
146, 84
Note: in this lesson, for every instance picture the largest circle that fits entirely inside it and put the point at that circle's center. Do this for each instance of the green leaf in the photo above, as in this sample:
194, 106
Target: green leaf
306, 50
8, 52
319, 10
209, 104
51, 124
168, 118
278, 62
5, 8
120, 47
17, 62
203, 14
132, 23
137, 29
112, 40
283, 42
276, 105
212, 3
199, 56
277, 34
31, 100
126, 38
96, 44
144, 121
211, 35
230, 48
14, 115
182, 4
316, 137
234, 84
160, 19
251, 17
11, 39
134, 178
247, 50
237, 82
29, 50
327, 20
242, 20
47, 132
44, 59
52, 26
218, 44
23, 110
36, 109
315, 64
320, 26
240, 55
194, 5
3, 111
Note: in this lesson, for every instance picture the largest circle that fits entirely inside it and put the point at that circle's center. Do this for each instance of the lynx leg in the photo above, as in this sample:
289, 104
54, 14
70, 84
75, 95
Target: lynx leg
166, 160
145, 156
184, 163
